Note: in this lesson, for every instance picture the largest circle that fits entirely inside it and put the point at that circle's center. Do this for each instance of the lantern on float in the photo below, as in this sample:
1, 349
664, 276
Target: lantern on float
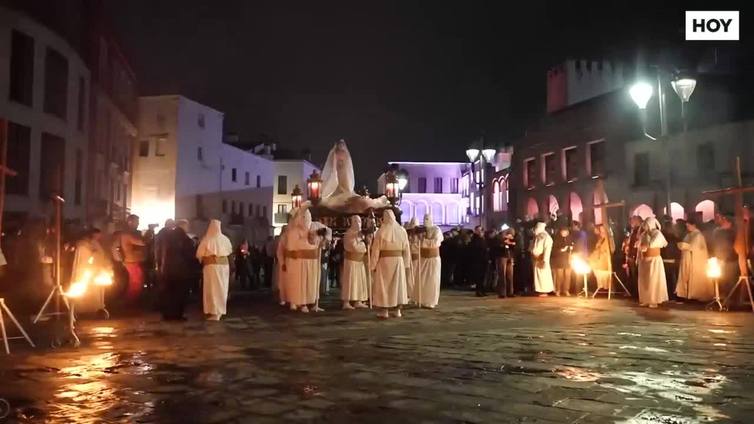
296, 197
314, 187
392, 187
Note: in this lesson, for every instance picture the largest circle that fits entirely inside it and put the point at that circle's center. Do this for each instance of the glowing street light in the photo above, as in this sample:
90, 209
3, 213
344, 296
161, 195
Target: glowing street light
640, 93
684, 88
489, 154
472, 154
392, 187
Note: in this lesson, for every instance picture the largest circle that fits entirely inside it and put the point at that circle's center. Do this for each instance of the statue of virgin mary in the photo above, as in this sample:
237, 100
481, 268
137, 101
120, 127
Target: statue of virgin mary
338, 182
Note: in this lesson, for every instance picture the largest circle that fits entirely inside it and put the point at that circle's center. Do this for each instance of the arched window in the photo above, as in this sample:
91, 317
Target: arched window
405, 211
707, 209
532, 210
419, 210
451, 214
676, 211
644, 211
438, 217
553, 205
496, 196
576, 206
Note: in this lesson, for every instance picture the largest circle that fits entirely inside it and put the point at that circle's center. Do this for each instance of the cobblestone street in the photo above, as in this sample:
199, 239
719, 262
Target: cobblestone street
470, 360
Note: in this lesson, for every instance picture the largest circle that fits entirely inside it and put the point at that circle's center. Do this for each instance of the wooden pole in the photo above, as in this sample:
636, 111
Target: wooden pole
3, 165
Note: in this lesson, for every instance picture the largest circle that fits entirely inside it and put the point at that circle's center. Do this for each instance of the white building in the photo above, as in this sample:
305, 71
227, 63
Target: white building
289, 173
438, 188
183, 169
43, 97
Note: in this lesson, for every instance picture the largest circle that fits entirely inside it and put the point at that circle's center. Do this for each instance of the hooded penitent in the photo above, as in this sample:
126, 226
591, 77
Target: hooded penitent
427, 286
390, 257
653, 289
541, 257
353, 279
302, 261
213, 252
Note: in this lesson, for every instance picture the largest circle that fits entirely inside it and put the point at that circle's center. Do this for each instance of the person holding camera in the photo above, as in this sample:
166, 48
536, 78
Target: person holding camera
505, 257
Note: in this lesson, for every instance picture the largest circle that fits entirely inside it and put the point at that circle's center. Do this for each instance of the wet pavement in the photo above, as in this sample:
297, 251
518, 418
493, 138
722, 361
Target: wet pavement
471, 360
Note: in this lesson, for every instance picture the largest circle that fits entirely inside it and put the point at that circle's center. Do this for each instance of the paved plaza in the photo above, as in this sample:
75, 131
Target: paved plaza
525, 360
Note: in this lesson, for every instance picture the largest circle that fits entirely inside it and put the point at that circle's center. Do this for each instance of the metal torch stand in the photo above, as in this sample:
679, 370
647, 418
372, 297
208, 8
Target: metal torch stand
716, 301
584, 291
742, 280
4, 310
610, 287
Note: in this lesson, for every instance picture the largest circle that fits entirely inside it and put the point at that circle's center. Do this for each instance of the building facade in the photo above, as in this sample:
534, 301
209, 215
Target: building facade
183, 169
289, 173
69, 97
562, 161
44, 83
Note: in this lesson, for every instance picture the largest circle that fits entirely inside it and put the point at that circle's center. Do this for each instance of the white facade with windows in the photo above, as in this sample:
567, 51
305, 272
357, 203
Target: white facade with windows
289, 173
439, 188
183, 169
44, 87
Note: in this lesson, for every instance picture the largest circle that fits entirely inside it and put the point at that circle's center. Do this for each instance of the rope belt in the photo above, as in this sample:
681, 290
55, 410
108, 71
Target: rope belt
356, 256
302, 254
214, 260
430, 252
391, 253
652, 252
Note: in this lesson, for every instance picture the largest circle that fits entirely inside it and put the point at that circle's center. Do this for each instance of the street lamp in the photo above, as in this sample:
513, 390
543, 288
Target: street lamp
314, 187
402, 180
296, 197
641, 92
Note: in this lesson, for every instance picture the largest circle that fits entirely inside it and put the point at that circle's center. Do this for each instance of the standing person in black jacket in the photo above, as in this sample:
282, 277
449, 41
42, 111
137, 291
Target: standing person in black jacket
478, 260
562, 246
505, 254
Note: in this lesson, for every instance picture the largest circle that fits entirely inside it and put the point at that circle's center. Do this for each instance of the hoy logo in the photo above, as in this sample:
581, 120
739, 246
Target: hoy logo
712, 25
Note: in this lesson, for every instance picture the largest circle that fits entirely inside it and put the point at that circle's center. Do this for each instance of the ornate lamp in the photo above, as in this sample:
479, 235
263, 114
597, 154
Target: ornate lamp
684, 87
314, 187
392, 187
296, 197
489, 154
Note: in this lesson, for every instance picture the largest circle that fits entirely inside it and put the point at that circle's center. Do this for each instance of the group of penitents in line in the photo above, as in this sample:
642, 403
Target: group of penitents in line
389, 268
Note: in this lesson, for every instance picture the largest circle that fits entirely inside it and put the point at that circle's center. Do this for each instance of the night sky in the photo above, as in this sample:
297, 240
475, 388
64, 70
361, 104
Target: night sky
403, 80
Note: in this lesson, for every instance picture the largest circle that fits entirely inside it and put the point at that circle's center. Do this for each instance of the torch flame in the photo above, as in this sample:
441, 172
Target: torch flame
90, 260
104, 278
579, 265
713, 268
76, 289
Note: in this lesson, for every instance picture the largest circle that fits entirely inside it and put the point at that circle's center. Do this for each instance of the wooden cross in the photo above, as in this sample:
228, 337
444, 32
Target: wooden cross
604, 205
742, 242
4, 170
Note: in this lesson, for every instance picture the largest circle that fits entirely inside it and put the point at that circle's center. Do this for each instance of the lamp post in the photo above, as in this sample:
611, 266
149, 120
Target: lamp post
641, 92
314, 187
483, 156
297, 197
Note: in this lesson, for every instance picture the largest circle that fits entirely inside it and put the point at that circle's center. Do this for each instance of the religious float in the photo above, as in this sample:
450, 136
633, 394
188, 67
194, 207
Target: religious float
331, 198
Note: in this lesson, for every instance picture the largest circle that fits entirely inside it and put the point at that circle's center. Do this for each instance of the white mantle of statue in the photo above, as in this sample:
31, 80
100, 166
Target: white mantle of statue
338, 182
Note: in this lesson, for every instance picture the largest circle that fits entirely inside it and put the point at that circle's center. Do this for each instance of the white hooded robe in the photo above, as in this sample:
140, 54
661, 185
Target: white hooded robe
429, 267
353, 278
653, 288
541, 258
692, 276
302, 273
216, 276
390, 271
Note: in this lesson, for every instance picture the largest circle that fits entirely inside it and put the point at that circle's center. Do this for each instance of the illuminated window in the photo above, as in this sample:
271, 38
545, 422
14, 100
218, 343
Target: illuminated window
530, 172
